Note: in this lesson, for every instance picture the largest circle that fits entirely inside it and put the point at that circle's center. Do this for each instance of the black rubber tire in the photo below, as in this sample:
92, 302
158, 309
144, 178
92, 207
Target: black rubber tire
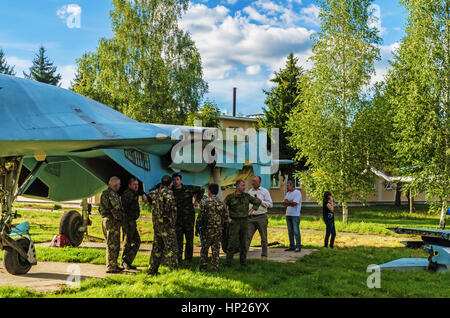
14, 263
69, 225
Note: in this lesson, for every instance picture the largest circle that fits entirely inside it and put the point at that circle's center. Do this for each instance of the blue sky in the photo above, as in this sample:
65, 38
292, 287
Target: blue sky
242, 42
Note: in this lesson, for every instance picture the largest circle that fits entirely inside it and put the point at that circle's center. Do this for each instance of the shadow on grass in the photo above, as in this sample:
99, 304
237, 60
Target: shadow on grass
339, 272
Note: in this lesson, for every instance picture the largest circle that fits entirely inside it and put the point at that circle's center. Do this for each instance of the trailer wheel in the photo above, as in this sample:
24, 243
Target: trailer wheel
14, 263
69, 225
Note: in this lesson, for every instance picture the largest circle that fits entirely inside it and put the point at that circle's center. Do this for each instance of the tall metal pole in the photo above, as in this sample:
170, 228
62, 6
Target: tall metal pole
234, 101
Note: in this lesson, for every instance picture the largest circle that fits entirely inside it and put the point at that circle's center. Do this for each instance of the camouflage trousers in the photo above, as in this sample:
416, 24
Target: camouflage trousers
210, 240
111, 231
131, 243
164, 246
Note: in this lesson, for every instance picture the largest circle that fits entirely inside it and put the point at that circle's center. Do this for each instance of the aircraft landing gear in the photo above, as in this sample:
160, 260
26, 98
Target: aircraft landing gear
69, 226
19, 254
15, 263
73, 225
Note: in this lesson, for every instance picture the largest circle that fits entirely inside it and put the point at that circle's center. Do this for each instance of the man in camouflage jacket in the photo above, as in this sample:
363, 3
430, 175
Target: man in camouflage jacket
164, 217
238, 207
113, 216
132, 240
184, 226
211, 218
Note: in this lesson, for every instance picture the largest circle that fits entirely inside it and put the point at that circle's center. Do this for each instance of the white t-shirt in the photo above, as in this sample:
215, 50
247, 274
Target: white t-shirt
295, 196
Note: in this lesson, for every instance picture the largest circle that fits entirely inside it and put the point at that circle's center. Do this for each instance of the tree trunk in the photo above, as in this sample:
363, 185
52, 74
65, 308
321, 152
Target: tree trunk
344, 212
411, 202
398, 195
443, 214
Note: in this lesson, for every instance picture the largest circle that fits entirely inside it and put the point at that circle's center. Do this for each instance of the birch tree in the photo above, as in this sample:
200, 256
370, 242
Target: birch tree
330, 128
150, 69
419, 95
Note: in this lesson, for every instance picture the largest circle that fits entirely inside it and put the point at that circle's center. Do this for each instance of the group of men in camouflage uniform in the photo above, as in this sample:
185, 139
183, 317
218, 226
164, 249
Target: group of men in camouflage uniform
173, 217
210, 221
120, 212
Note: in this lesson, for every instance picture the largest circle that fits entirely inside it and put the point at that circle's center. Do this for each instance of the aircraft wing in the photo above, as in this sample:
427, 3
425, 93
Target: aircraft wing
49, 120
440, 234
82, 143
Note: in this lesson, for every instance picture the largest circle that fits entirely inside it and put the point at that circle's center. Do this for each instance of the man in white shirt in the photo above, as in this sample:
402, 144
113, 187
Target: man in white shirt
258, 219
293, 202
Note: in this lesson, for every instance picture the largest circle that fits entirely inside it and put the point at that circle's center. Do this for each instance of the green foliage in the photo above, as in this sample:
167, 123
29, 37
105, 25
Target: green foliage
330, 128
150, 69
280, 101
43, 70
209, 115
4, 67
418, 91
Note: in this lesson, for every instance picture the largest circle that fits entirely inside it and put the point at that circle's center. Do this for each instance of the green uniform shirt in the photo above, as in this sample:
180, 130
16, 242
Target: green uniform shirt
238, 204
213, 214
164, 206
130, 203
183, 198
111, 205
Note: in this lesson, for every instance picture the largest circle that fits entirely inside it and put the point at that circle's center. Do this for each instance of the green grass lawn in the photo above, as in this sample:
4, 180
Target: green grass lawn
362, 220
329, 273
340, 272
367, 220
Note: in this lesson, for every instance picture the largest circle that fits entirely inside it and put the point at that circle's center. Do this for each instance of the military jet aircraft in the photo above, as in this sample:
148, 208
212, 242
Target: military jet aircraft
59, 145
435, 242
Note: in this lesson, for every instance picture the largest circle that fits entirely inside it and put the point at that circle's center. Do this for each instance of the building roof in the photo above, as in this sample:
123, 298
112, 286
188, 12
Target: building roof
238, 118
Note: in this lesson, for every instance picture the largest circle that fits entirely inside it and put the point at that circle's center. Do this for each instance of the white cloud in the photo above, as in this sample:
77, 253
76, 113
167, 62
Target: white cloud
67, 74
227, 42
376, 19
247, 90
282, 15
254, 15
232, 1
382, 66
20, 65
310, 15
253, 69
71, 14
242, 48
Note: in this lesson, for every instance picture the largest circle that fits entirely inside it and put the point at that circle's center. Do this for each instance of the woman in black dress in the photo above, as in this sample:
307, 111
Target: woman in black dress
328, 218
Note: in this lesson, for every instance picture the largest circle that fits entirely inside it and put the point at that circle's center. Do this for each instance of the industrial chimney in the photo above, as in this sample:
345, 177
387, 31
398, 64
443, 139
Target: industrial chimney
234, 101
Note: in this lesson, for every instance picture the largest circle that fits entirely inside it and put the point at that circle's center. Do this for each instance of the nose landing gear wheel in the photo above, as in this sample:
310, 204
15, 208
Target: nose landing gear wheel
14, 263
70, 222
